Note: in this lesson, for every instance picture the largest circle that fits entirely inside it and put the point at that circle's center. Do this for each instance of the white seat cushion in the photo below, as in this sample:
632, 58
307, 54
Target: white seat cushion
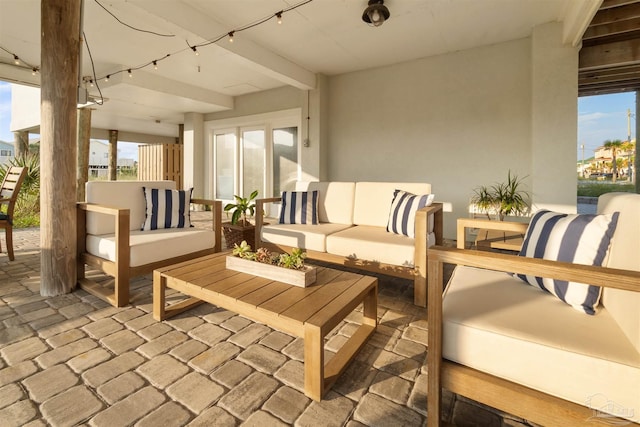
154, 245
495, 323
305, 236
374, 244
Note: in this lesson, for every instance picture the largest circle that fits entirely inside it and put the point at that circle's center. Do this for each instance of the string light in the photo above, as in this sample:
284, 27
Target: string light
34, 70
154, 62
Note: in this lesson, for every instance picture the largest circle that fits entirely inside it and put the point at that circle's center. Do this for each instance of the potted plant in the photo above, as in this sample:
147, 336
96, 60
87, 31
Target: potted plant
285, 267
502, 199
239, 228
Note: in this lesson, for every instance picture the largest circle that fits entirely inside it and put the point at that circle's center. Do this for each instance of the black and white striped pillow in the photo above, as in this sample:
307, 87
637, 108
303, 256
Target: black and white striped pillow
299, 207
402, 216
579, 239
166, 208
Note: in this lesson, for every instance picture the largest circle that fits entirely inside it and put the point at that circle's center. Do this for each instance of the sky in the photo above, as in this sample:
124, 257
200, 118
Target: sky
604, 117
600, 118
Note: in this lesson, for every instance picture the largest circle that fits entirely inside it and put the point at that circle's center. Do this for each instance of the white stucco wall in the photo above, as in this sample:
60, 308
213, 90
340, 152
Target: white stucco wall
461, 120
455, 121
25, 107
554, 120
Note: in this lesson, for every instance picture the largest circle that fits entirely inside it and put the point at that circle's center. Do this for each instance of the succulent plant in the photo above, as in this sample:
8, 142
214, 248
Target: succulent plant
263, 255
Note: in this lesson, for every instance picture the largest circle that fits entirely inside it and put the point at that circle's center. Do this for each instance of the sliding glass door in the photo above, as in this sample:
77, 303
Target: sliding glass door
263, 157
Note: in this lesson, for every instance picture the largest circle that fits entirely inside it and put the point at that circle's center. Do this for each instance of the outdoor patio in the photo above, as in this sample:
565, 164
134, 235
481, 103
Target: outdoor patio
74, 359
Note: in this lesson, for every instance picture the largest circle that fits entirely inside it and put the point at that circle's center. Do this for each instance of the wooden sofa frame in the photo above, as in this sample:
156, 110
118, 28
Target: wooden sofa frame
120, 269
418, 273
507, 396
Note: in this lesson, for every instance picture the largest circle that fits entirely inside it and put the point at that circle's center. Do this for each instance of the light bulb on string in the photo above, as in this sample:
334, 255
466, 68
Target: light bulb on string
231, 36
34, 71
195, 50
106, 79
129, 71
155, 65
16, 60
279, 16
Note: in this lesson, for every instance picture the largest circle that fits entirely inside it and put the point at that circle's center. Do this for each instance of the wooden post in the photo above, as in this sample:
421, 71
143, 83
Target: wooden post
84, 136
60, 43
113, 155
21, 143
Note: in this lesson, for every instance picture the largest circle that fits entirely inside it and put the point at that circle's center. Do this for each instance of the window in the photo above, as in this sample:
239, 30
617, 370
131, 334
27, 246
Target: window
5, 153
253, 153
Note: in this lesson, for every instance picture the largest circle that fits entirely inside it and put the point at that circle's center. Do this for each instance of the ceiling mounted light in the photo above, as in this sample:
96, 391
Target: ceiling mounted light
376, 13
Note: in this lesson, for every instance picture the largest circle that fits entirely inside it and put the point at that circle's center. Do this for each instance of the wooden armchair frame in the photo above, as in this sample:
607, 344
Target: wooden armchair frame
496, 392
8, 196
120, 270
417, 273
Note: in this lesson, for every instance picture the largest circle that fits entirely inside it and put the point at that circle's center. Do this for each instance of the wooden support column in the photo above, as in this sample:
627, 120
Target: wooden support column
21, 143
113, 155
60, 43
84, 136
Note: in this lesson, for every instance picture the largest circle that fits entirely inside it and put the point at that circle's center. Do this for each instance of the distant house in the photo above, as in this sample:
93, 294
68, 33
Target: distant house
6, 152
99, 160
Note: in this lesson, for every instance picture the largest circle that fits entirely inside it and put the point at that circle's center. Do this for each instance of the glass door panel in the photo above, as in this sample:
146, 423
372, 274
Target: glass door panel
224, 148
253, 161
285, 159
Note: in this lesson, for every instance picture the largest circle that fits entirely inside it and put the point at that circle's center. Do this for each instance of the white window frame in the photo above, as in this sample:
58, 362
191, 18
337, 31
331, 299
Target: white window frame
268, 122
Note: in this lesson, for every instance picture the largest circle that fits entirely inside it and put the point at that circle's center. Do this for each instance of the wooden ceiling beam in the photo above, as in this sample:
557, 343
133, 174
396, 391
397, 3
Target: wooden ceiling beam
616, 14
600, 80
610, 55
607, 4
615, 28
606, 89
617, 71
609, 60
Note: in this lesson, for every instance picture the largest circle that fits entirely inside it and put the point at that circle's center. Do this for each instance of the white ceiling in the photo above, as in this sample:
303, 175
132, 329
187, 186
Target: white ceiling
322, 36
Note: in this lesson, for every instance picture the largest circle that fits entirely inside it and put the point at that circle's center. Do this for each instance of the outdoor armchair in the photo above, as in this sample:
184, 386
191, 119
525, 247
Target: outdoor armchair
8, 196
506, 344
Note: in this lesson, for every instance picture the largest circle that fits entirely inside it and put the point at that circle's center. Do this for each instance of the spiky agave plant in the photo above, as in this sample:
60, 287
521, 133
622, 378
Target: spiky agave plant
510, 198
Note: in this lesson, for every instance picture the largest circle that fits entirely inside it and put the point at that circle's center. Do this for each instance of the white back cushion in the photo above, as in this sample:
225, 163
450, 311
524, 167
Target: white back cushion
373, 200
335, 200
119, 194
624, 253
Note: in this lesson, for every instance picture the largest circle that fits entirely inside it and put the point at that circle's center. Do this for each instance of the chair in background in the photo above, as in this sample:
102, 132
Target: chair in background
8, 196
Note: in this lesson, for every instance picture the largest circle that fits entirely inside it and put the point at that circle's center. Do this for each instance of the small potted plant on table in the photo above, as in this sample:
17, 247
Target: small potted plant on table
500, 200
239, 228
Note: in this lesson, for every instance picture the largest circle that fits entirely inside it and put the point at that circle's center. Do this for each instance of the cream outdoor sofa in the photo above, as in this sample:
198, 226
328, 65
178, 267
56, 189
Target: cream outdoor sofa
110, 237
352, 231
499, 341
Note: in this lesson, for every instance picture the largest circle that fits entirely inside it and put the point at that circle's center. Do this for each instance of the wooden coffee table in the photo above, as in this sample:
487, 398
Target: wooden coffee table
310, 313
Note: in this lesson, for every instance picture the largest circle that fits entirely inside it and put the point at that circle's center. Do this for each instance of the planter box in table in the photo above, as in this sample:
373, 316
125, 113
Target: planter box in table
302, 278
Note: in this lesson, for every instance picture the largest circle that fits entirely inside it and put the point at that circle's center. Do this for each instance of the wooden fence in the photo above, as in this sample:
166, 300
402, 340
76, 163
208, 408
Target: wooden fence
160, 161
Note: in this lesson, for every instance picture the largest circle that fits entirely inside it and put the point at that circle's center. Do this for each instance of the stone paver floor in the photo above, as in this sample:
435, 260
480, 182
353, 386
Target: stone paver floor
75, 360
